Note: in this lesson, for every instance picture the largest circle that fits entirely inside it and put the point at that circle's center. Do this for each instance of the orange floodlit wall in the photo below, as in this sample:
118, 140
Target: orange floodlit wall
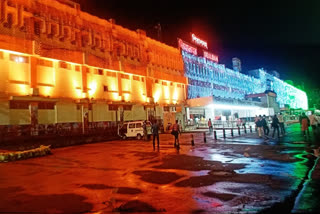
52, 49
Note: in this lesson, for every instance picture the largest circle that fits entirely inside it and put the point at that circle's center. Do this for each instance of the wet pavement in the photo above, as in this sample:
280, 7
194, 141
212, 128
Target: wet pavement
243, 174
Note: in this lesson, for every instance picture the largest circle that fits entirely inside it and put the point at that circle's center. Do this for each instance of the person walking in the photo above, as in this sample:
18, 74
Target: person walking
260, 126
175, 132
281, 124
210, 125
265, 125
304, 122
155, 133
275, 126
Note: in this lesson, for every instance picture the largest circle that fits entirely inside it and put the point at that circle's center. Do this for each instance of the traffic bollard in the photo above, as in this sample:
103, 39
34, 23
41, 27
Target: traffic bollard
250, 129
192, 140
224, 133
231, 132
215, 134
204, 137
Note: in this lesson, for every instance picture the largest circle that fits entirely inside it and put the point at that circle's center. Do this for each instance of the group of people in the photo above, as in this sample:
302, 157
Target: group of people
176, 130
277, 123
306, 121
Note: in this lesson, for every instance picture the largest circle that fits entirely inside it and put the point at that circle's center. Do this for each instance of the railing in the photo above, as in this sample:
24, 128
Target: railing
220, 124
25, 132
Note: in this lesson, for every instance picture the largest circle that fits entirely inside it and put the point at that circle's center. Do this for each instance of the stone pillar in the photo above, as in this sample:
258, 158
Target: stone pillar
33, 108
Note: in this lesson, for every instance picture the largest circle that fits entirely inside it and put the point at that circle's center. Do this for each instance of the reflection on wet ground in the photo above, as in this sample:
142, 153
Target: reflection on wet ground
241, 175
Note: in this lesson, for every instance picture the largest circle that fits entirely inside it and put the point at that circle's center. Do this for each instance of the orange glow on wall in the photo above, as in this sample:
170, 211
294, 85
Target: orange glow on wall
92, 88
166, 93
175, 95
115, 96
156, 96
126, 97
23, 89
84, 60
47, 91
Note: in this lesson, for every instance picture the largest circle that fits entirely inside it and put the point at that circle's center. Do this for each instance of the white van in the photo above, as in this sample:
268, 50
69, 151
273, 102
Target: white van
133, 129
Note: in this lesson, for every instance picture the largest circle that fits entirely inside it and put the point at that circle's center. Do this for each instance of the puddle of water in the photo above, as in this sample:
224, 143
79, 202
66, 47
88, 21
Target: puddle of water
260, 166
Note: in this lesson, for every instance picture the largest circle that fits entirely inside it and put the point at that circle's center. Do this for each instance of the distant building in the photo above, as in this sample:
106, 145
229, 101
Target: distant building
236, 64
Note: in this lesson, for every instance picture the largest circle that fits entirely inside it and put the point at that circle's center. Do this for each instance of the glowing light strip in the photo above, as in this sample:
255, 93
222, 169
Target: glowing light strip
199, 42
14, 52
186, 47
226, 106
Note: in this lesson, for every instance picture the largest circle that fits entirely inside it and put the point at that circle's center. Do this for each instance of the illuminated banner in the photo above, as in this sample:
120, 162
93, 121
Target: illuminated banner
186, 47
199, 42
210, 56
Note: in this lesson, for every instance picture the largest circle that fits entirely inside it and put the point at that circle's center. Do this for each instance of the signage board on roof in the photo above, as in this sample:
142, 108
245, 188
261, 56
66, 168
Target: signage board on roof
186, 47
210, 56
196, 40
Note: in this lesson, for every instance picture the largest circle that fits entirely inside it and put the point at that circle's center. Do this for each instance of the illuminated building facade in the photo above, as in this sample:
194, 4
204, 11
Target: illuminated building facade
286, 94
63, 67
232, 91
60, 65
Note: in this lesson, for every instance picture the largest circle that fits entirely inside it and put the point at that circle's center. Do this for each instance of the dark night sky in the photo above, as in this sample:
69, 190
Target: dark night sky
275, 35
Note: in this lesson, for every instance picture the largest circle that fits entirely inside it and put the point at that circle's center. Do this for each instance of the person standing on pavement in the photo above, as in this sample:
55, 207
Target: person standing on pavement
265, 125
281, 124
318, 119
145, 133
175, 132
304, 122
256, 119
260, 126
210, 125
313, 122
155, 133
275, 125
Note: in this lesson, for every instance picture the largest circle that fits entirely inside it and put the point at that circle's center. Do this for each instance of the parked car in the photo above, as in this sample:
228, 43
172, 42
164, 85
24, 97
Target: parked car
134, 129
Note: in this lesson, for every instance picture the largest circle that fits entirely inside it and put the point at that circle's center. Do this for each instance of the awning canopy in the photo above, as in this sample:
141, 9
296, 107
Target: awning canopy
201, 101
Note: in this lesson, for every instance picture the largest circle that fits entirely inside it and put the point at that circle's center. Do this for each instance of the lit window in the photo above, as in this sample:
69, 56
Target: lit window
46, 105
111, 74
19, 59
13, 104
100, 71
77, 67
113, 107
65, 65
37, 28
46, 63
136, 78
125, 76
127, 107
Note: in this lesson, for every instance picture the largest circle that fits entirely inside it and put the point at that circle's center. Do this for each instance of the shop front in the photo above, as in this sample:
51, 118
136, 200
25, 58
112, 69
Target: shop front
222, 112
